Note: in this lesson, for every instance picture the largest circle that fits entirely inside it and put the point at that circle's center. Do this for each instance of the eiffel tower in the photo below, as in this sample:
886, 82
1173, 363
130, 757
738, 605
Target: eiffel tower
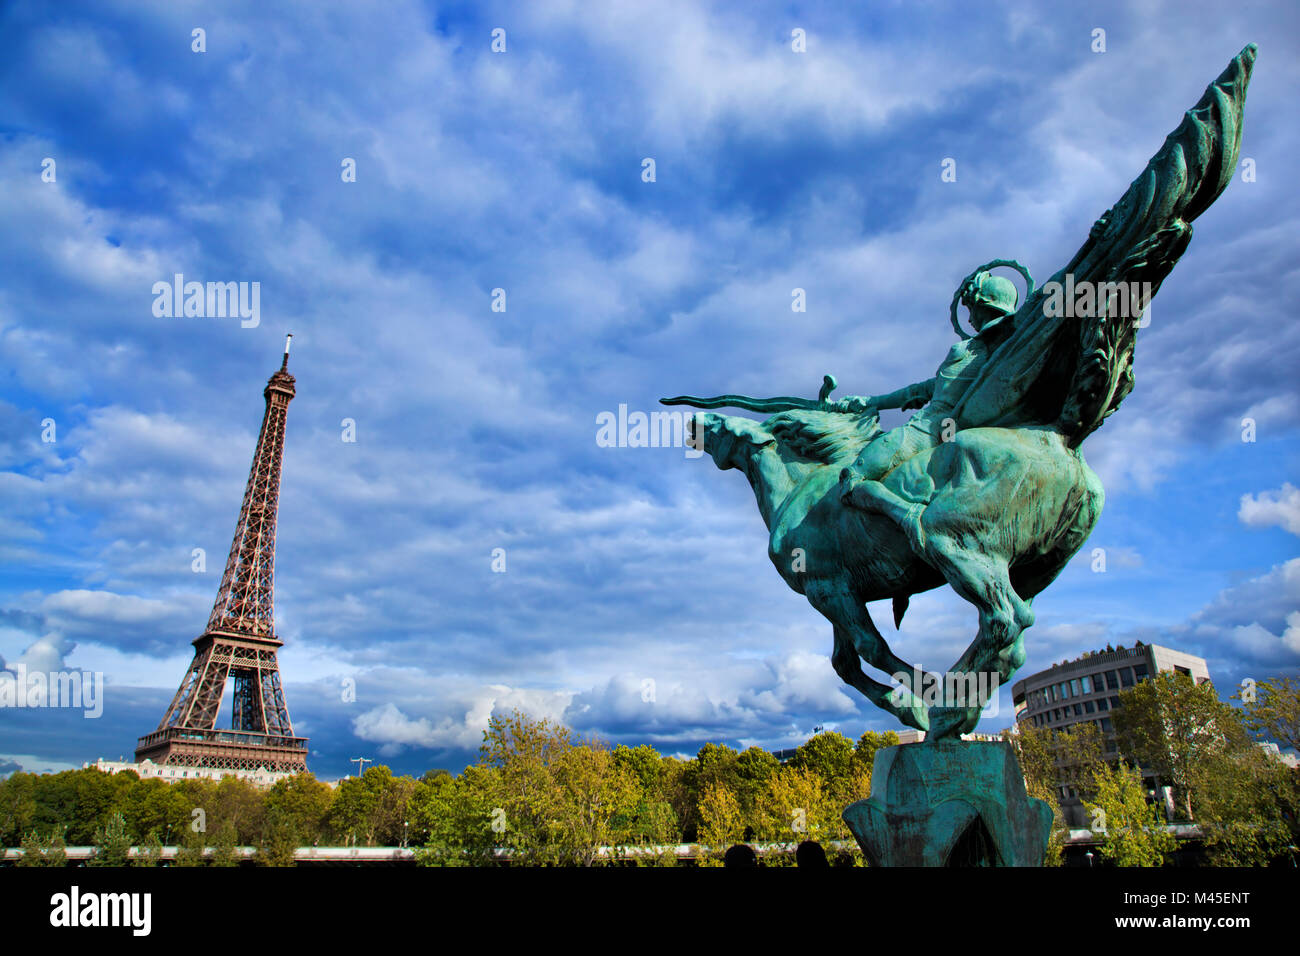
240, 641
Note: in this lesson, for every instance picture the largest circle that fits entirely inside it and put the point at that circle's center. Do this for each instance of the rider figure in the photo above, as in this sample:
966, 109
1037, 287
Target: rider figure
992, 303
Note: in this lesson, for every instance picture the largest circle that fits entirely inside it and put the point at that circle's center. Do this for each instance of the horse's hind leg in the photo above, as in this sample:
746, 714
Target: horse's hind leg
998, 649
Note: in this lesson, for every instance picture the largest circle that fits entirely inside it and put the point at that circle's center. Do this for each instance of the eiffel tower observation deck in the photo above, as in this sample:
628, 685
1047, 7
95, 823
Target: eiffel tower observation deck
239, 643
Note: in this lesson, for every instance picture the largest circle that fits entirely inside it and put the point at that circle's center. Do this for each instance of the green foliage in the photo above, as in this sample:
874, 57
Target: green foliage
238, 804
302, 803
371, 809
455, 816
225, 846
651, 820
150, 850
1274, 711
864, 752
17, 807
798, 806
830, 756
539, 796
154, 806
280, 838
1169, 725
112, 843
595, 800
1133, 832
42, 851
1245, 800
191, 848
721, 822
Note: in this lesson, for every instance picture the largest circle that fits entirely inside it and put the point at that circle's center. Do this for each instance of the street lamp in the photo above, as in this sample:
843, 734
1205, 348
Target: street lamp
406, 825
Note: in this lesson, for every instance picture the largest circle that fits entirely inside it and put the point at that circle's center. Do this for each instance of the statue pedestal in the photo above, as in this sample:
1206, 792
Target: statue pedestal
950, 803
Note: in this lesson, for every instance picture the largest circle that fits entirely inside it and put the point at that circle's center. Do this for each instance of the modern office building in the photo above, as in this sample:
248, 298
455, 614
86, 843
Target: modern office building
1087, 688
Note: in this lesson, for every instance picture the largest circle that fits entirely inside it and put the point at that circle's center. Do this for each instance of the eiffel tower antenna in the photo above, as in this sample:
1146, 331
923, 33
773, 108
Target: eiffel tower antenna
240, 641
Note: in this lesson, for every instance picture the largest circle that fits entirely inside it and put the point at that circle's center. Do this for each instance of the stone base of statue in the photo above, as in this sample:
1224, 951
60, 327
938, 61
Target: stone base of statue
950, 803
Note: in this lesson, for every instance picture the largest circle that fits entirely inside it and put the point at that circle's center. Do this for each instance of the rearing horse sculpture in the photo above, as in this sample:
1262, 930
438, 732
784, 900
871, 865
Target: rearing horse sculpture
986, 488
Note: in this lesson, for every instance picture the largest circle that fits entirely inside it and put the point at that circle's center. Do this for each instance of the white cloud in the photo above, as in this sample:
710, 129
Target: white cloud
1280, 507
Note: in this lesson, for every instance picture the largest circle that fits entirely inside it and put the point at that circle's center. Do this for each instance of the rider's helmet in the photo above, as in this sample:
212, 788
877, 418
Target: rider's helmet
991, 291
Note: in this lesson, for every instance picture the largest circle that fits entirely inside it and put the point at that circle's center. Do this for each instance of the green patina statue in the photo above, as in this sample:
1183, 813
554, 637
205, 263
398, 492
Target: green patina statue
985, 488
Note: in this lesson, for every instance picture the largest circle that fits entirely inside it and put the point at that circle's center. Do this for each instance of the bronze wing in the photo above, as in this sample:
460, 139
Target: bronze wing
1071, 373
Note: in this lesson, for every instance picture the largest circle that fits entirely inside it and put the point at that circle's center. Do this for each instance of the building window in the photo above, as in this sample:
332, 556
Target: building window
1126, 677
1105, 724
1078, 710
1140, 670
1112, 680
1087, 707
1074, 687
1114, 702
1102, 703
1181, 670
1086, 684
1052, 690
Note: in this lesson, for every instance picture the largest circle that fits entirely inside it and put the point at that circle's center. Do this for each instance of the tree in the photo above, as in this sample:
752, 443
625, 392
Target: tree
864, 752
749, 776
56, 851
830, 756
1275, 711
112, 843
713, 765
371, 809
523, 750
1079, 754
1246, 800
593, 795
153, 806
652, 820
302, 803
798, 806
42, 851
280, 838
236, 802
1133, 833
1168, 724
456, 816
721, 823
150, 852
17, 807
225, 846
191, 849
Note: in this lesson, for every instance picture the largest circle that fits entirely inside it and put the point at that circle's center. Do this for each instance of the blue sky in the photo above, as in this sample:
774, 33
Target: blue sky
476, 429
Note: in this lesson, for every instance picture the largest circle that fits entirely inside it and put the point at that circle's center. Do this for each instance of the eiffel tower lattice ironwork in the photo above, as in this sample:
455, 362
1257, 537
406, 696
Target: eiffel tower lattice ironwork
240, 641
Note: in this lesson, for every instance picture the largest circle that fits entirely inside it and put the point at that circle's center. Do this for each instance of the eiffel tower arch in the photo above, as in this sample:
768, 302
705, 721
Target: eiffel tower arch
239, 643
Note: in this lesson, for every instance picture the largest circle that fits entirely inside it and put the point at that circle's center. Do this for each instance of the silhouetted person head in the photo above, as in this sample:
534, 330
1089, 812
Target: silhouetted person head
809, 853
740, 855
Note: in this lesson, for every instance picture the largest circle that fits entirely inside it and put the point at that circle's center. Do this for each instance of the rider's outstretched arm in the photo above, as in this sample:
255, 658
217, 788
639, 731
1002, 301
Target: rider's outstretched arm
913, 396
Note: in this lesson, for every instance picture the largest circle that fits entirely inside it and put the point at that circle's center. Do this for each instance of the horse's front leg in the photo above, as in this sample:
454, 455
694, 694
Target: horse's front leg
998, 649
898, 701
